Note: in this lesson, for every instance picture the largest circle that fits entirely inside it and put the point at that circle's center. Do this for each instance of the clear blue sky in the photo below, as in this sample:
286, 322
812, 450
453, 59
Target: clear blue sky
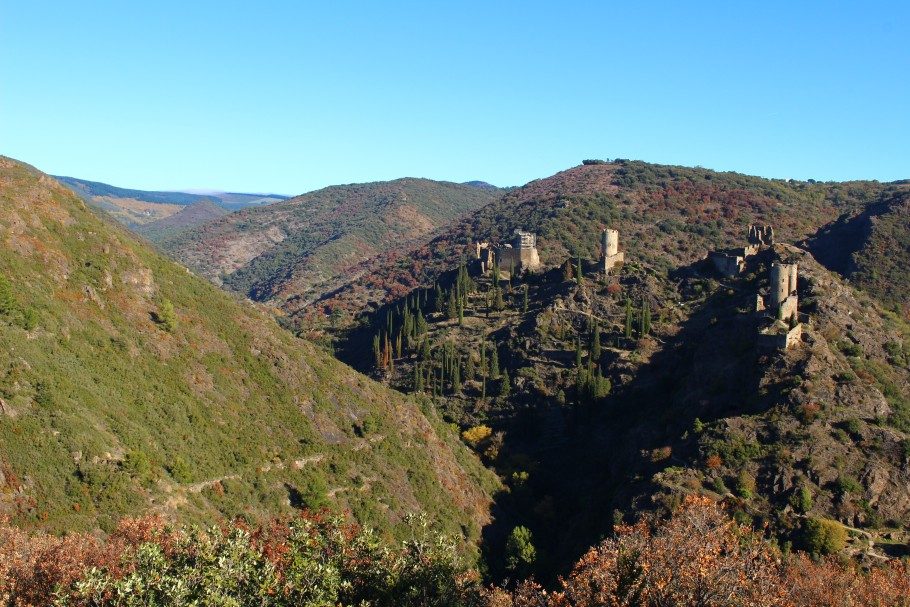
291, 96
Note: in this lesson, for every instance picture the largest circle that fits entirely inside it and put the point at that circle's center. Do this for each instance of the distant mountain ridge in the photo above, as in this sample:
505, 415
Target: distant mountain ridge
226, 200
134, 208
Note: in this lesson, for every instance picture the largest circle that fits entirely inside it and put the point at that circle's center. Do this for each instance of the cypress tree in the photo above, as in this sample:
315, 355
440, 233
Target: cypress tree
456, 377
377, 351
505, 388
451, 306
567, 270
581, 278
494, 363
628, 319
595, 343
483, 370
469, 369
421, 324
437, 298
418, 379
578, 353
524, 302
645, 318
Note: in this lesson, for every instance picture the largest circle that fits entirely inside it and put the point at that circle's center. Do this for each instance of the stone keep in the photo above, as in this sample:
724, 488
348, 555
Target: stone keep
521, 254
784, 299
609, 250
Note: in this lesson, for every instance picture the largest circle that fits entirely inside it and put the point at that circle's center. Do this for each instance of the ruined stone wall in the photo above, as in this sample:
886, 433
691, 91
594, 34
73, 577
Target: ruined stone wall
761, 235
726, 264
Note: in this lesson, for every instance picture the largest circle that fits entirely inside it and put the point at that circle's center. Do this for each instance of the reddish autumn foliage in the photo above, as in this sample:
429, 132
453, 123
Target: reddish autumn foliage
33, 567
697, 558
701, 558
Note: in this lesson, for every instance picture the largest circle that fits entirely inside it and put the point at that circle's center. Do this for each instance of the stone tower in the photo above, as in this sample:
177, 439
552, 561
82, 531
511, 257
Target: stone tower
783, 289
609, 250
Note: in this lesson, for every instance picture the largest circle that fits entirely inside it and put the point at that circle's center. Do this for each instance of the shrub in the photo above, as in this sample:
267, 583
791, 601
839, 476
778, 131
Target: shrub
824, 536
745, 485
180, 470
520, 551
846, 484
801, 499
476, 435
166, 316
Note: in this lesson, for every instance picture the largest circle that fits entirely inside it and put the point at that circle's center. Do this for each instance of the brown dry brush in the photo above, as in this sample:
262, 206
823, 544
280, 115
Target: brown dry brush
697, 558
34, 566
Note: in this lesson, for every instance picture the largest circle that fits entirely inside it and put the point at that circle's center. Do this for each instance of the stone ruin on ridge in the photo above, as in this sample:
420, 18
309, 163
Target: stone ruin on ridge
782, 328
731, 262
518, 256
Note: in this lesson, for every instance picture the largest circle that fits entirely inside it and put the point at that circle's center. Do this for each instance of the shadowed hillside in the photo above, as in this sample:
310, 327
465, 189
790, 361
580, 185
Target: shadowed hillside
872, 248
685, 402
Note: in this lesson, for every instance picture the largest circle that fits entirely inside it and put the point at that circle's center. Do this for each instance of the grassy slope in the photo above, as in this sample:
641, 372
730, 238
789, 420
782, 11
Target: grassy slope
302, 248
104, 413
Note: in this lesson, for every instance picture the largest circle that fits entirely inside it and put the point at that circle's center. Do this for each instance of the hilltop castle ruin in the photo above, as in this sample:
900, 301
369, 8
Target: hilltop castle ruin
610, 256
782, 330
731, 262
519, 255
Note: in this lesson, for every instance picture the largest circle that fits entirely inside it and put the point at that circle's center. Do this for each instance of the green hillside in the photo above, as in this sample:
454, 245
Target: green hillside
128, 385
299, 250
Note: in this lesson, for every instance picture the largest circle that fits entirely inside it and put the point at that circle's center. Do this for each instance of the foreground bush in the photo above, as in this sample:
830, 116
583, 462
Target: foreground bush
317, 561
701, 558
698, 558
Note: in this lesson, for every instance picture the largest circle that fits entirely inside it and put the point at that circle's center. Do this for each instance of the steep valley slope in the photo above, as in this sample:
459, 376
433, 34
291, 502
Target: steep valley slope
128, 385
296, 251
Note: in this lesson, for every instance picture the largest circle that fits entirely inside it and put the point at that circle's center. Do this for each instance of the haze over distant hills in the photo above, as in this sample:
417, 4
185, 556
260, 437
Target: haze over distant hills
138, 207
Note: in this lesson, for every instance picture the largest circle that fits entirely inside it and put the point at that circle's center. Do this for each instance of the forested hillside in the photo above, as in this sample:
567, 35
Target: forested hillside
667, 215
